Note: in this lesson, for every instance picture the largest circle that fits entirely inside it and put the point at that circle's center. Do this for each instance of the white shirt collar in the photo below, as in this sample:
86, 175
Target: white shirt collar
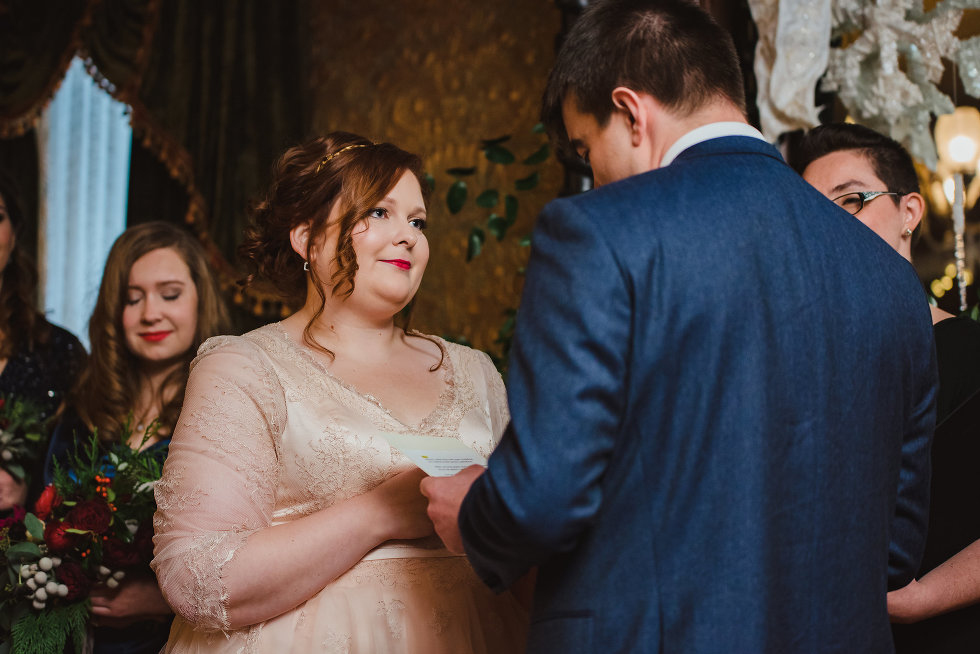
707, 132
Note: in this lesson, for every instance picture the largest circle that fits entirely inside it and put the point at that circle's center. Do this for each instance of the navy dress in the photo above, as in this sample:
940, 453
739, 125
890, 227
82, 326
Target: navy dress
43, 375
145, 637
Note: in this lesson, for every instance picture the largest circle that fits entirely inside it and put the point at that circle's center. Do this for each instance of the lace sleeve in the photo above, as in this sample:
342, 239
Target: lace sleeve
220, 478
496, 396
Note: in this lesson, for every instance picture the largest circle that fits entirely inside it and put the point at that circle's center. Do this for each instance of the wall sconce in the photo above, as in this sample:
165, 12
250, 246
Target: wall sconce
958, 142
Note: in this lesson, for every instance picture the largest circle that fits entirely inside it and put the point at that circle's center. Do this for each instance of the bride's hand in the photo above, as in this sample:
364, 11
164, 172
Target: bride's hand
404, 506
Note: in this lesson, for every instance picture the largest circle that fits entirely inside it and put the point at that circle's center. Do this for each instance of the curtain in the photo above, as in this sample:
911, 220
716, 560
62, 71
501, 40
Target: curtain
84, 139
216, 90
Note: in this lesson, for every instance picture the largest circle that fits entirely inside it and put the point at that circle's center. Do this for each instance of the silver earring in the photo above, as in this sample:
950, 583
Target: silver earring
907, 232
306, 266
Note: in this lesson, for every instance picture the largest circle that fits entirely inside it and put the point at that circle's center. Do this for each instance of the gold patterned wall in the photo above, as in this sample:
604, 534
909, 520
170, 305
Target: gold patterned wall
436, 78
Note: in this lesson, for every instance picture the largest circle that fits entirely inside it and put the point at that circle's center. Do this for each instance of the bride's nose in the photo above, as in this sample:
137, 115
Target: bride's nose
406, 234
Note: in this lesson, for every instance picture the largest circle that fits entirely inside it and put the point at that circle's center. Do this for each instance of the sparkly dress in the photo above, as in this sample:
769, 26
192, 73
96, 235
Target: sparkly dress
267, 435
43, 376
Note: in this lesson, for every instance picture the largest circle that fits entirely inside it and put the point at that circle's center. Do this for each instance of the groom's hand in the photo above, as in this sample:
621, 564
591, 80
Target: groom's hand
445, 497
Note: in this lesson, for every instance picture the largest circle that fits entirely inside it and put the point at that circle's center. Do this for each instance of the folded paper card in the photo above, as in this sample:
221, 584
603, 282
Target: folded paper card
438, 457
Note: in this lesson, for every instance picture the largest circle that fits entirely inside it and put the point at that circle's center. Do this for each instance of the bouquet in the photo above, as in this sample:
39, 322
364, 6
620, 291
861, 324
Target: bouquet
92, 525
22, 432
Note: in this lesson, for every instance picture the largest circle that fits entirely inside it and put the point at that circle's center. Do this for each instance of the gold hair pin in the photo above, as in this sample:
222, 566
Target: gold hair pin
330, 156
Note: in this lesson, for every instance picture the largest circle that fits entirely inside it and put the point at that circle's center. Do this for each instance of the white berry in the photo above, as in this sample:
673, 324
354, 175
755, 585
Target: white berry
30, 583
51, 588
56, 560
112, 583
38, 605
45, 564
118, 575
104, 571
25, 570
41, 577
7, 455
40, 594
62, 590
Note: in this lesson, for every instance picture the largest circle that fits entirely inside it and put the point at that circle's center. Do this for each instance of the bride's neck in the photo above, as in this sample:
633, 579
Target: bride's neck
343, 331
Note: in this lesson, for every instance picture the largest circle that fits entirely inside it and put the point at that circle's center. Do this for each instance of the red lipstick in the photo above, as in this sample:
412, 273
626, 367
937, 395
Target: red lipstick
154, 337
401, 263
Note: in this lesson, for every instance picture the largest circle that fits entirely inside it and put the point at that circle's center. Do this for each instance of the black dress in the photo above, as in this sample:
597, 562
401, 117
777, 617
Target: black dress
43, 376
954, 518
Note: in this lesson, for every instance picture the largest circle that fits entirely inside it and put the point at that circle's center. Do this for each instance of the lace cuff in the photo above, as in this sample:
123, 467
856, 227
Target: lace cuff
203, 597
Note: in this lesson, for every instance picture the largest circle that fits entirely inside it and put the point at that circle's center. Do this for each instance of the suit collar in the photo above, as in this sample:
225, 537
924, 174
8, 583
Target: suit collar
730, 145
707, 132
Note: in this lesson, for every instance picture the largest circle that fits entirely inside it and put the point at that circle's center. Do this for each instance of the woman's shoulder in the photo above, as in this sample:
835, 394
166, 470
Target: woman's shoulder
253, 350
465, 357
458, 352
958, 327
250, 342
957, 341
63, 340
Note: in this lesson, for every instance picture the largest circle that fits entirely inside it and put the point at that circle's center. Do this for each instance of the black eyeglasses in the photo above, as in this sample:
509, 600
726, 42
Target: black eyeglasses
853, 202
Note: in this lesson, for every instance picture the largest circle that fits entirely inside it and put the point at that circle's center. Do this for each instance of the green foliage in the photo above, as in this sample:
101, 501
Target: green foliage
456, 197
22, 552
540, 156
22, 435
47, 632
496, 222
488, 199
112, 475
497, 225
527, 183
499, 154
475, 244
510, 209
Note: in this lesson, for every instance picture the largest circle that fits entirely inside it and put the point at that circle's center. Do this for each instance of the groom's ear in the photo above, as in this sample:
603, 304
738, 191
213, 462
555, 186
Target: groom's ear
632, 109
299, 239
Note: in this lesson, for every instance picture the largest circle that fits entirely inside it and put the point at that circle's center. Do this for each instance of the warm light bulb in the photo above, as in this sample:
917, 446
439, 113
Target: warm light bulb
946, 282
962, 149
950, 270
937, 288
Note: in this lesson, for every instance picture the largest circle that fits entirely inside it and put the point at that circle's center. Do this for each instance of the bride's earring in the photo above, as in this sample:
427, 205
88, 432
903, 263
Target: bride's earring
306, 266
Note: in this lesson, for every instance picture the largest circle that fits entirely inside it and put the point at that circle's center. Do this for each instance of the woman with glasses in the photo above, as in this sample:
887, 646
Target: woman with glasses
873, 178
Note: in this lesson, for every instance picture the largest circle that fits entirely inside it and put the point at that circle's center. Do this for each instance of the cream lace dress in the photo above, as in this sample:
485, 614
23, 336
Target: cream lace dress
266, 436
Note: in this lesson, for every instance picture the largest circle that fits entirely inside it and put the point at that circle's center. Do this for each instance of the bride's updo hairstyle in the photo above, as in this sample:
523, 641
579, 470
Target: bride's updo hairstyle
307, 181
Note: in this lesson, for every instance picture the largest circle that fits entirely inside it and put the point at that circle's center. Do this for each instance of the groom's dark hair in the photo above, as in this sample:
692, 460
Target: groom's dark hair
669, 49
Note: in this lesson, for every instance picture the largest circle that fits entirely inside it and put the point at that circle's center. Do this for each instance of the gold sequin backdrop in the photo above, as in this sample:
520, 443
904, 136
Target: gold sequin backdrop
435, 78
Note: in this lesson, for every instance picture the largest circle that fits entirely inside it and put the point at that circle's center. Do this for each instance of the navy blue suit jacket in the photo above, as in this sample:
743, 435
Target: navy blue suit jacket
722, 391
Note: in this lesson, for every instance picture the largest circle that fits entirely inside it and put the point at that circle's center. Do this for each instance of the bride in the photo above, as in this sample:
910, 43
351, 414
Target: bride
286, 522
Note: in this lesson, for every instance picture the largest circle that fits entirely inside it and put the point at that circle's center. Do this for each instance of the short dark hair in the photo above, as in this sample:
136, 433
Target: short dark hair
891, 163
670, 49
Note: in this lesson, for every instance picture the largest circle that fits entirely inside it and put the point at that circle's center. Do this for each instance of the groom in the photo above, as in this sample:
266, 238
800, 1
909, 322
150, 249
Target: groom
721, 385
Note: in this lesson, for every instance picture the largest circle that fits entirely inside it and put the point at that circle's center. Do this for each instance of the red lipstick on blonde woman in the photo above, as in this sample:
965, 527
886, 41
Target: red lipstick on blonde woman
154, 337
401, 263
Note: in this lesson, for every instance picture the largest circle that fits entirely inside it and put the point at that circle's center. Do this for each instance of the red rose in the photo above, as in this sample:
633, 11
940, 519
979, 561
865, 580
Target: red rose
16, 517
90, 515
116, 554
48, 501
71, 574
57, 539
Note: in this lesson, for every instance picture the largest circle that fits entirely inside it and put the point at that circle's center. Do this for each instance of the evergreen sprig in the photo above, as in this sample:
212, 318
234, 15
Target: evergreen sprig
48, 631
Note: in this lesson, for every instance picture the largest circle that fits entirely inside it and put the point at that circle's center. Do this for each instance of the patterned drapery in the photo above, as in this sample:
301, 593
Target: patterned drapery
216, 91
